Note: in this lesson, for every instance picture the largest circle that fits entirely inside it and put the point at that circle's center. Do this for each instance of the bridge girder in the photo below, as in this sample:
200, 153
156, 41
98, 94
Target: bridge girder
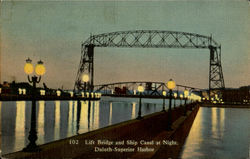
151, 88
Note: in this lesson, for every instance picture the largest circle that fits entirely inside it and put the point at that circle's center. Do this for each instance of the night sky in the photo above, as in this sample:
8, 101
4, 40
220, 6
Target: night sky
53, 32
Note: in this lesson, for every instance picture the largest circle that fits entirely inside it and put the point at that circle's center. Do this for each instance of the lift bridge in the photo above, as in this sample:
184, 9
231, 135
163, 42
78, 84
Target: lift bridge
152, 89
149, 39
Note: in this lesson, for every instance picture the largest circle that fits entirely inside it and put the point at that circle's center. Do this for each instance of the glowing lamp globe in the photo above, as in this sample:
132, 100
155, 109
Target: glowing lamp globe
175, 95
171, 84
28, 67
181, 96
164, 93
85, 77
186, 93
40, 69
140, 89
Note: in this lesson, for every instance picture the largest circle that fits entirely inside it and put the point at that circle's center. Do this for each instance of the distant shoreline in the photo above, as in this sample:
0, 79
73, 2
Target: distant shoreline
226, 105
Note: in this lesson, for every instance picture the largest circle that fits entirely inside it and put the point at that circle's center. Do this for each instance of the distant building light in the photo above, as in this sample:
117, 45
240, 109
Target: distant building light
58, 93
42, 92
24, 91
20, 91
71, 94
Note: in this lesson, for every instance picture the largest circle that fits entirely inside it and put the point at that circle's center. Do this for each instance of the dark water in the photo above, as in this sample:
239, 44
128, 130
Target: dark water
60, 119
219, 133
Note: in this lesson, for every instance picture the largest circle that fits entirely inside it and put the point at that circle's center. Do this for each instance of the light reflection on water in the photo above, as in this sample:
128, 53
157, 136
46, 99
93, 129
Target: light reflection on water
20, 124
218, 133
60, 119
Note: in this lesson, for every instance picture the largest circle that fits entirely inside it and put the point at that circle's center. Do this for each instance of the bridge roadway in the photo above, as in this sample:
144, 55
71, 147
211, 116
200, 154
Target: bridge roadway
151, 128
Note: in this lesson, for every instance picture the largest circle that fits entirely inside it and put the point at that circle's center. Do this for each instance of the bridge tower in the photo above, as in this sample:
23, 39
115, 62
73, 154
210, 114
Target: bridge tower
86, 67
216, 80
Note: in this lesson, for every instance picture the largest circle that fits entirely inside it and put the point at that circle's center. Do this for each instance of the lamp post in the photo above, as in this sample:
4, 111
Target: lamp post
40, 70
171, 86
185, 96
140, 89
175, 96
164, 93
85, 79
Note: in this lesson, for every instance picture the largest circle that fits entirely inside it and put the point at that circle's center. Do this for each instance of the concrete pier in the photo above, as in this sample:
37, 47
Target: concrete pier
144, 138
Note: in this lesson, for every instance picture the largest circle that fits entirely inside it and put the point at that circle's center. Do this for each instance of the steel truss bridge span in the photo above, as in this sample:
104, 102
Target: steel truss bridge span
150, 39
152, 89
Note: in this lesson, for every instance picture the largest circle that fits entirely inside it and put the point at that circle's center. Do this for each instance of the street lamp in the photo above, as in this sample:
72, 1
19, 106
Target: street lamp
186, 92
175, 96
85, 79
164, 93
140, 90
171, 85
39, 70
181, 96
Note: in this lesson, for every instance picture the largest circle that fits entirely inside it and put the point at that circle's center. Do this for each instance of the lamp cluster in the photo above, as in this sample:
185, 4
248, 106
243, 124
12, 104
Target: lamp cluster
194, 97
216, 99
91, 95
22, 91
39, 68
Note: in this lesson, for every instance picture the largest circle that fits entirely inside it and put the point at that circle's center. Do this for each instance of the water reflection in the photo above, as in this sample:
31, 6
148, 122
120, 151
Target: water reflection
96, 111
57, 120
110, 113
133, 110
20, 124
49, 121
84, 117
61, 119
70, 118
218, 133
40, 121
